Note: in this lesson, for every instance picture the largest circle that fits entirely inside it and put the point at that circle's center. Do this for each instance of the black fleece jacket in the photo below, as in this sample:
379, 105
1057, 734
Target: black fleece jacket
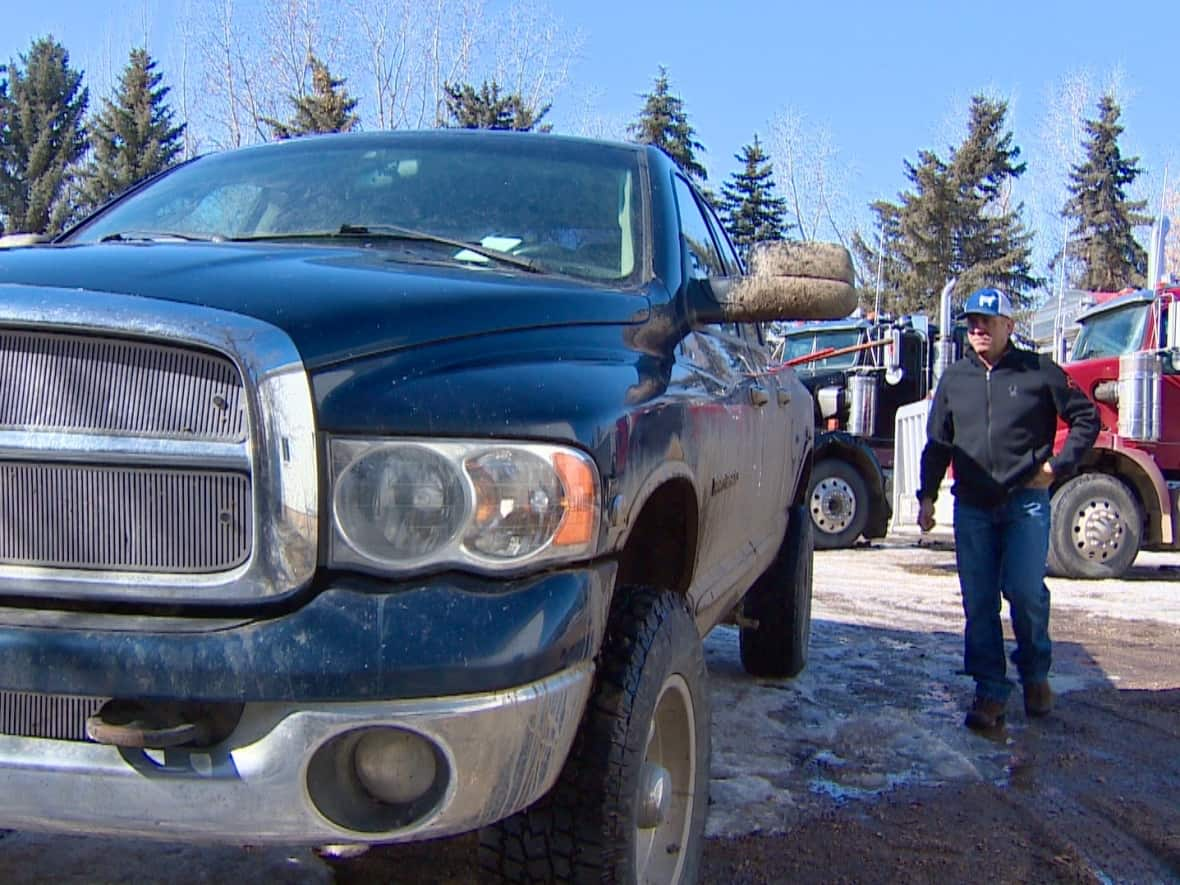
997, 426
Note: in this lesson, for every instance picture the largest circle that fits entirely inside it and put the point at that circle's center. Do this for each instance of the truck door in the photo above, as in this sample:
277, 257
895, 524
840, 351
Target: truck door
728, 425
1168, 453
771, 403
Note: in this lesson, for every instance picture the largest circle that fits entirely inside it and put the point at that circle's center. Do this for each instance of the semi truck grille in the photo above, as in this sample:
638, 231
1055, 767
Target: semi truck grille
55, 716
65, 382
123, 518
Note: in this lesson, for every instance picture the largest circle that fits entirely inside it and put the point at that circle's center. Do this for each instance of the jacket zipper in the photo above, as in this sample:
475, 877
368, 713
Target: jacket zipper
990, 453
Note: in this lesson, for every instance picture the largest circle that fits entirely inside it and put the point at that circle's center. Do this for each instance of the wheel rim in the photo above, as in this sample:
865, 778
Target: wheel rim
667, 785
833, 505
1099, 529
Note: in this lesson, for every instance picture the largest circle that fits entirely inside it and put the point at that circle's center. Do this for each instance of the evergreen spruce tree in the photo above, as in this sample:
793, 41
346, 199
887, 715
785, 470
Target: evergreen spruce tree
993, 246
133, 137
955, 221
328, 108
662, 122
486, 108
749, 206
42, 138
1102, 238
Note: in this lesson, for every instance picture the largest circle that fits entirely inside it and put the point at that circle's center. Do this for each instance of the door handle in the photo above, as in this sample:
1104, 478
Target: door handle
784, 397
759, 396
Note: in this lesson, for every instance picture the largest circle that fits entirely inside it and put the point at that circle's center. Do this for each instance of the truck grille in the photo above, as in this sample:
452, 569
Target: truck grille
151, 453
123, 519
55, 716
86, 384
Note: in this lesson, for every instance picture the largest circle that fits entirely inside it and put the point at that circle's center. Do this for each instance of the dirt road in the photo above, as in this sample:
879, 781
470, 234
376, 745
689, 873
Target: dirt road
860, 770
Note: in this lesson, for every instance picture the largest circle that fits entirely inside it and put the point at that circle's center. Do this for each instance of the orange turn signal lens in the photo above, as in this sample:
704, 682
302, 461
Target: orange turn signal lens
580, 501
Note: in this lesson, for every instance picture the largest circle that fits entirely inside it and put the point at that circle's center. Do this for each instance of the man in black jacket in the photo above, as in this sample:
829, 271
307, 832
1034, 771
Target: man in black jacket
994, 418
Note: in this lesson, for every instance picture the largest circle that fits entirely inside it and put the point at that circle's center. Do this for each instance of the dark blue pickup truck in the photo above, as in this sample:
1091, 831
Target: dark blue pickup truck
369, 488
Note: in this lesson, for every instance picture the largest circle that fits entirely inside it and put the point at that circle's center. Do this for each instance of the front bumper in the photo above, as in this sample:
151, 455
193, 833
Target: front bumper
491, 677
357, 639
499, 752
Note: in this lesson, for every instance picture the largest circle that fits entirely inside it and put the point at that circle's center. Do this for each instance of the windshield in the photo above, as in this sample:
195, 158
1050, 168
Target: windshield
813, 340
1111, 333
571, 207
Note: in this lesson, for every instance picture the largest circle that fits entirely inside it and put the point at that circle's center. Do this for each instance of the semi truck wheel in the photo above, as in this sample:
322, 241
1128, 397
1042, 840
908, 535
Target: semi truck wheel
1097, 528
780, 603
839, 503
630, 804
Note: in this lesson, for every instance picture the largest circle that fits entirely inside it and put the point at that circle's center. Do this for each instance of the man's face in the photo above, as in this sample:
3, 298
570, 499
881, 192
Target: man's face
989, 334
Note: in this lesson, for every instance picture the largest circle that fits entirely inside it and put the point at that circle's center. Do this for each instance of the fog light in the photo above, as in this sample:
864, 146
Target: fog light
394, 766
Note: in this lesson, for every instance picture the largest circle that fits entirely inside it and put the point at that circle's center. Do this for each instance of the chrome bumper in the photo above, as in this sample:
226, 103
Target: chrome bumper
502, 751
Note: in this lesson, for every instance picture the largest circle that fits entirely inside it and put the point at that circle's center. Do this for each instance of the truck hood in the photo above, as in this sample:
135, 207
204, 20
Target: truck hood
337, 303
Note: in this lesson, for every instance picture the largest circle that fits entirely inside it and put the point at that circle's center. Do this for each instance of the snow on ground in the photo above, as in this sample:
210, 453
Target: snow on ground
881, 701
879, 705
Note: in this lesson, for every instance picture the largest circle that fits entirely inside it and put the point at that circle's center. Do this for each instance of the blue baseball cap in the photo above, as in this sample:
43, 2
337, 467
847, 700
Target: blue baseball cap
988, 302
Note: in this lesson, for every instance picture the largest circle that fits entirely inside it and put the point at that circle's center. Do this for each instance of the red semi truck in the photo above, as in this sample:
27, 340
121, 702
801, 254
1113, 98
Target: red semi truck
1124, 499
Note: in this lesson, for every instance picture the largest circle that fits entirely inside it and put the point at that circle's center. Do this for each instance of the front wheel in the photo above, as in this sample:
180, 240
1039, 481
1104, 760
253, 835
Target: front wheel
1097, 528
839, 503
630, 803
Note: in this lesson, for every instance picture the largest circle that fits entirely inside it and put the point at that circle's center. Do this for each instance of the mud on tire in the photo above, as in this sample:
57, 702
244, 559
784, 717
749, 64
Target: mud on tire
646, 727
780, 603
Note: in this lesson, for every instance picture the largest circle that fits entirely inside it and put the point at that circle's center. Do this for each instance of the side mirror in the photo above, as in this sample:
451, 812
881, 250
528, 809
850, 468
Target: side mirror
791, 281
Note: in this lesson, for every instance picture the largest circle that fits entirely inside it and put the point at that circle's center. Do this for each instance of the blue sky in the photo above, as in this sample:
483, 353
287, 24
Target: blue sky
884, 79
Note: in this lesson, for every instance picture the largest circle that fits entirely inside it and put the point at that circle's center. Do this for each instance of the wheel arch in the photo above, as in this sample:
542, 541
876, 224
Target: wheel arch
660, 545
1137, 471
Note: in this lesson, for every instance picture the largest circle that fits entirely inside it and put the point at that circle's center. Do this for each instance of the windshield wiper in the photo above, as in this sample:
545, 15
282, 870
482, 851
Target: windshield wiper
392, 231
157, 236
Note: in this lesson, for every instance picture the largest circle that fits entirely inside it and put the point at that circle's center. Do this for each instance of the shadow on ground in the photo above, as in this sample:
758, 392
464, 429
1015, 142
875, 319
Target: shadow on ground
857, 771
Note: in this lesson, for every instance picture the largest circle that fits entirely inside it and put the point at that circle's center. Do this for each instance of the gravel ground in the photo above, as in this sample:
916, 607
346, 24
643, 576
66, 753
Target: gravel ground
860, 769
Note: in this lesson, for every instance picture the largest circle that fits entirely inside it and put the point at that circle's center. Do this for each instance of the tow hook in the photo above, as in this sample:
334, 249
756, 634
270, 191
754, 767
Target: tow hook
159, 725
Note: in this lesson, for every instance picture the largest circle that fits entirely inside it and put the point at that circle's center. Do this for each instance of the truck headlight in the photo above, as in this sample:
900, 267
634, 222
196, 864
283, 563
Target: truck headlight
407, 505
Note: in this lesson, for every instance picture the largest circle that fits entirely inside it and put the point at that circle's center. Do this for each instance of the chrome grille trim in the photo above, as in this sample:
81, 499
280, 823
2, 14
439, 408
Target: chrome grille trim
278, 453
53, 381
19, 445
135, 519
58, 717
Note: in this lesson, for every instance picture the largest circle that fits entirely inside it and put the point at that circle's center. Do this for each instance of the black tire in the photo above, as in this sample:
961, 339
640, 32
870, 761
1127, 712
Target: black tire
648, 712
838, 501
1097, 528
780, 604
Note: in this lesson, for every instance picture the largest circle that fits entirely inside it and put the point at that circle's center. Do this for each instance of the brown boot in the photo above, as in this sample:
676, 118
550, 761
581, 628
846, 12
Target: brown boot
1038, 698
985, 714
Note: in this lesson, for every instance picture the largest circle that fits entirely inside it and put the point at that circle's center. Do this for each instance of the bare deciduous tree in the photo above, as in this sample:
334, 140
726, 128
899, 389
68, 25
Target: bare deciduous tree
398, 56
532, 54
382, 48
1171, 208
447, 39
1057, 149
811, 176
295, 32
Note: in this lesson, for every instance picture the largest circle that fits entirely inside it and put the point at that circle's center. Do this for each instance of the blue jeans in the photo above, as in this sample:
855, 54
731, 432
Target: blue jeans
1002, 550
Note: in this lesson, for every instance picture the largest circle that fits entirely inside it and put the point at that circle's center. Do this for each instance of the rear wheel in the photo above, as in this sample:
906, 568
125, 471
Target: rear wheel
1097, 528
630, 803
778, 606
839, 503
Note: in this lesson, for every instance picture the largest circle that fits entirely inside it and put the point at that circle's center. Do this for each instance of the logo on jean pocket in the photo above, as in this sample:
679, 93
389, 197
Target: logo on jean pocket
1012, 390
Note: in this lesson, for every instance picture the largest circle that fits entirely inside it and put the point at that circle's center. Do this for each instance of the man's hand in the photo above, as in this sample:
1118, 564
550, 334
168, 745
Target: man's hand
1043, 478
925, 514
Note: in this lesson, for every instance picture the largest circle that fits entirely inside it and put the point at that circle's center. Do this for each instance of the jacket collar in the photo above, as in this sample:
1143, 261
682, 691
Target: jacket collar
1004, 357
